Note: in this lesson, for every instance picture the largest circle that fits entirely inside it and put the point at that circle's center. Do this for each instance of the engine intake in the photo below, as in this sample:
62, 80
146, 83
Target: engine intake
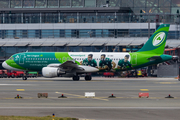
51, 72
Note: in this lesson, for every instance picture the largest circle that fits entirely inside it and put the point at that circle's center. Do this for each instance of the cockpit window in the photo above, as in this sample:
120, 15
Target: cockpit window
11, 58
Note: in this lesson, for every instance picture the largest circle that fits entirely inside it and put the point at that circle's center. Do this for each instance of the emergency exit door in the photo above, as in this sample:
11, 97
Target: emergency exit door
21, 59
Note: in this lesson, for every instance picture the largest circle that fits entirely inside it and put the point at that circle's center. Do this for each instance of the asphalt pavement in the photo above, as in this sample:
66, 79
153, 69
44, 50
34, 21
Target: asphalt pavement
126, 105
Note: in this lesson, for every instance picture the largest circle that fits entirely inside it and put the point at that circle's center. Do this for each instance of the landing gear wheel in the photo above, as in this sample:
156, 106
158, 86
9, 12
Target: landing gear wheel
88, 78
24, 78
13, 76
76, 78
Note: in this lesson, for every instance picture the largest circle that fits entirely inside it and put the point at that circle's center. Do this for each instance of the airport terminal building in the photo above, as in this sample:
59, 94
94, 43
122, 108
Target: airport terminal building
84, 25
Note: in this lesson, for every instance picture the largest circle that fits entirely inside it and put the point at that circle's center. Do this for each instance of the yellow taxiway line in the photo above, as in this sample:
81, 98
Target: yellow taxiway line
20, 90
144, 90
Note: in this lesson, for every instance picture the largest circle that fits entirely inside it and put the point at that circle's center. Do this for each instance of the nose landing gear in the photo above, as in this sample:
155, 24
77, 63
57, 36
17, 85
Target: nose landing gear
24, 77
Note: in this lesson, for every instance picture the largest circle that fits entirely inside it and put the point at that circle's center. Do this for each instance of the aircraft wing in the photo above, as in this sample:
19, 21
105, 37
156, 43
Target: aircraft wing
72, 66
155, 58
67, 66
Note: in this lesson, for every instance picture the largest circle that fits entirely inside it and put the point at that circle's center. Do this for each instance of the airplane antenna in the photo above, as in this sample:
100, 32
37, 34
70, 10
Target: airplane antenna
26, 50
101, 51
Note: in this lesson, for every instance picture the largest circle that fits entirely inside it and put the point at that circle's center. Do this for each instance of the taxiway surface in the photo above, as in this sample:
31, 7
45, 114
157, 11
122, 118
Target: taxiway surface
126, 105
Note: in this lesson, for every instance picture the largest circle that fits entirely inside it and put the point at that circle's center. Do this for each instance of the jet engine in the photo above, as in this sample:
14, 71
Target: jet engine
51, 72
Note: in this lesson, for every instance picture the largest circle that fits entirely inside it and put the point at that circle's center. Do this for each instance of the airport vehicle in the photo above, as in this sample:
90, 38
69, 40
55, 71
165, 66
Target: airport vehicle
72, 64
108, 74
3, 73
14, 74
32, 74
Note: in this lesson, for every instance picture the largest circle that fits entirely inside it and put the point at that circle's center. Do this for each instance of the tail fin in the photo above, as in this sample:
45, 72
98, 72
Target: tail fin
157, 41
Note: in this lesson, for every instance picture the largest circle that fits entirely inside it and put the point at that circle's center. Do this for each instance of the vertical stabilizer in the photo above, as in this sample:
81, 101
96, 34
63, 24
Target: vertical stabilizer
157, 41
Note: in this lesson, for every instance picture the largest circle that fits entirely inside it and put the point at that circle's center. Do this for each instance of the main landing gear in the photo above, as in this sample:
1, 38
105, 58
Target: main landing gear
88, 77
76, 78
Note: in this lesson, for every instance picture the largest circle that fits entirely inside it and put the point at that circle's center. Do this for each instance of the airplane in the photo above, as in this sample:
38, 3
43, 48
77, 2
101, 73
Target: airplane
73, 64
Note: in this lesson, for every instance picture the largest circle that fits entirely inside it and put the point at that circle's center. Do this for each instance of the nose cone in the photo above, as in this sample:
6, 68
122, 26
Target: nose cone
4, 64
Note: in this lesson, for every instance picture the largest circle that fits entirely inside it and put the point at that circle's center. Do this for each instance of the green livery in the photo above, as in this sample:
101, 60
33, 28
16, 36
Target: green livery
76, 62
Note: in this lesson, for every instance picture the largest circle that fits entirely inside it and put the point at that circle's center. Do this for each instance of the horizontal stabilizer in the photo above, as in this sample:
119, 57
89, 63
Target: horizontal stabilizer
155, 58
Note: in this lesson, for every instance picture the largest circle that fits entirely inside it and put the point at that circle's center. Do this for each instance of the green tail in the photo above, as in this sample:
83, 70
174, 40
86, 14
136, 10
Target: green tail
157, 41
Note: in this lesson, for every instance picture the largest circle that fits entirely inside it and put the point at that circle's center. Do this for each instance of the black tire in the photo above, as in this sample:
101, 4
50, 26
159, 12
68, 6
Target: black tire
88, 78
76, 78
12, 76
24, 78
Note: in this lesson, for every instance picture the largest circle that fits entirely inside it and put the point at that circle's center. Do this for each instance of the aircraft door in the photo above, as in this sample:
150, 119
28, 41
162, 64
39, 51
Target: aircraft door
21, 59
134, 59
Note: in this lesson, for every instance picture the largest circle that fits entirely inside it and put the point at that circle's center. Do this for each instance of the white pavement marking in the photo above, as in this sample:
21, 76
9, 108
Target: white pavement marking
14, 84
90, 108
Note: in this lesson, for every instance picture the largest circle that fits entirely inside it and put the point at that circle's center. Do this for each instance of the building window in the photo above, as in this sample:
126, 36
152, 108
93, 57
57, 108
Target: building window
16, 4
40, 4
109, 33
33, 34
9, 34
47, 34
28, 3
31, 18
134, 32
4, 3
77, 3
114, 3
65, 3
90, 3
56, 33
13, 18
49, 17
123, 33
53, 4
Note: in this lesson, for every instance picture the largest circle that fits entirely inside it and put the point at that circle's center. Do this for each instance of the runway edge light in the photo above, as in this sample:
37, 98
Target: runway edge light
62, 96
169, 96
18, 96
112, 96
53, 115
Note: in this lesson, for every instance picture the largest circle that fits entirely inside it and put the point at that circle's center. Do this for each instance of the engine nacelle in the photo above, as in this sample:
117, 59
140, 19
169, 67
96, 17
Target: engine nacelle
51, 72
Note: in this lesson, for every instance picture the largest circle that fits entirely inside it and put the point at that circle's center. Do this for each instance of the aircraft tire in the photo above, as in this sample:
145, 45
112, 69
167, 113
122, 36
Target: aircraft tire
24, 78
88, 78
12, 76
76, 78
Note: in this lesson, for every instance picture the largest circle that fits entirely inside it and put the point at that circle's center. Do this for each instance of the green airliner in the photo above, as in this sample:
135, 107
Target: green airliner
72, 64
